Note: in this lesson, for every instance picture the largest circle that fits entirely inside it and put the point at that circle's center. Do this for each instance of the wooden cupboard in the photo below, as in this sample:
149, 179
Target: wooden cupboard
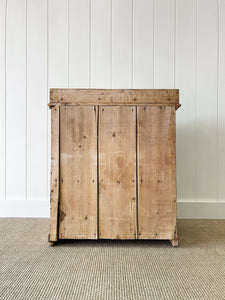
113, 164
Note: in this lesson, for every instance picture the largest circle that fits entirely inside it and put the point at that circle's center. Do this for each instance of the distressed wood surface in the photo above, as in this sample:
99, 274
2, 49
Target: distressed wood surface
54, 194
78, 172
117, 164
156, 173
114, 96
117, 172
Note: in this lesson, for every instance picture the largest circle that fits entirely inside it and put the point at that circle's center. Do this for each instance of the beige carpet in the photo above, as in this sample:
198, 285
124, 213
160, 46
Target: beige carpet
31, 269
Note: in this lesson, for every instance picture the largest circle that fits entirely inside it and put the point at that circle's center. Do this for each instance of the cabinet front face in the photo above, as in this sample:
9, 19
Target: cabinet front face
117, 172
112, 158
156, 172
78, 172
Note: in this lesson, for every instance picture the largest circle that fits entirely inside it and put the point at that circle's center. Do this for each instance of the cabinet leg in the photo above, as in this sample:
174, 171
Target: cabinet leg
174, 242
51, 243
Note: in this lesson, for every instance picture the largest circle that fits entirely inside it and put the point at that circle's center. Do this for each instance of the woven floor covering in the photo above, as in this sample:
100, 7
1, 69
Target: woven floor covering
31, 269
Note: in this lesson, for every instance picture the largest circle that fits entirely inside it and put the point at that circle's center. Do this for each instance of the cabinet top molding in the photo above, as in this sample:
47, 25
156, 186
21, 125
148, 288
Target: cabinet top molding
152, 97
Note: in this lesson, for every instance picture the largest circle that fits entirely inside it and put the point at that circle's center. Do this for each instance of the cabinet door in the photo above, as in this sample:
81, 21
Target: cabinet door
117, 172
156, 172
78, 172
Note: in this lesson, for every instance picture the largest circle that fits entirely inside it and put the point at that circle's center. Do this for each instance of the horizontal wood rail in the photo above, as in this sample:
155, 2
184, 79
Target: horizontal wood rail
156, 97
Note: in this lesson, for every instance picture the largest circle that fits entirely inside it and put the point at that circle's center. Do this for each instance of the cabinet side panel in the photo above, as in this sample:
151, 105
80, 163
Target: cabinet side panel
78, 172
117, 172
54, 195
156, 172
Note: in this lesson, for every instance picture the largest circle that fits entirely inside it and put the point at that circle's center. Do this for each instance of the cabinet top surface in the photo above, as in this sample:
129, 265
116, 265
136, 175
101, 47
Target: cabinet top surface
153, 97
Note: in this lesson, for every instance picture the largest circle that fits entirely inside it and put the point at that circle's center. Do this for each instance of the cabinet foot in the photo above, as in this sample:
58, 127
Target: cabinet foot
174, 242
51, 243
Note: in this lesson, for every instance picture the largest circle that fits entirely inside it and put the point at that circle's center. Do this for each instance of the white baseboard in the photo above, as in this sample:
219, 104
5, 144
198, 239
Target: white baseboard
24, 209
201, 210
40, 209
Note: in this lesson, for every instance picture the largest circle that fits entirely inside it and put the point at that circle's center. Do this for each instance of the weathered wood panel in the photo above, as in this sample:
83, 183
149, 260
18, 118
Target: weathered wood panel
156, 172
78, 172
117, 172
114, 96
54, 194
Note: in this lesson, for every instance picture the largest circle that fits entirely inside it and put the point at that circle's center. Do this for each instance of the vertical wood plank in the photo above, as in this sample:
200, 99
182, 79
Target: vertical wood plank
122, 44
2, 97
143, 38
16, 100
54, 194
221, 103
78, 172
207, 50
117, 172
100, 44
186, 82
58, 43
164, 25
156, 172
79, 43
58, 60
36, 99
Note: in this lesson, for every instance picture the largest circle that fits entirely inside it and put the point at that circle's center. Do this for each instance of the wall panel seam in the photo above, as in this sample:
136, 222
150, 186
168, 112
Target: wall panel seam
68, 46
90, 43
153, 41
217, 102
5, 55
47, 125
196, 101
111, 44
26, 129
132, 43
175, 41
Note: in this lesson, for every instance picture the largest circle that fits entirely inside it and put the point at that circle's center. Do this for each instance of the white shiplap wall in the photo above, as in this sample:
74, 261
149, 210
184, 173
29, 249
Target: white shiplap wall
112, 44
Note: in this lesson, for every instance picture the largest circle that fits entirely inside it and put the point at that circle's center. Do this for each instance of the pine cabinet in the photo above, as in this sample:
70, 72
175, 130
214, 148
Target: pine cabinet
113, 164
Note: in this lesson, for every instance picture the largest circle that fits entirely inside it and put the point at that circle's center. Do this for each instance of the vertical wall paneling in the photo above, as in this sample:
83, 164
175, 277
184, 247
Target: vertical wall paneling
100, 44
111, 44
164, 33
36, 99
221, 102
16, 100
58, 43
58, 54
207, 50
186, 81
143, 27
48, 112
79, 43
2, 97
122, 44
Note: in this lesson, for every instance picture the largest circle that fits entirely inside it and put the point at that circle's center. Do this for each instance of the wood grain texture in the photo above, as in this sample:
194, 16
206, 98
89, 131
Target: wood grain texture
78, 172
117, 172
114, 96
54, 194
156, 172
